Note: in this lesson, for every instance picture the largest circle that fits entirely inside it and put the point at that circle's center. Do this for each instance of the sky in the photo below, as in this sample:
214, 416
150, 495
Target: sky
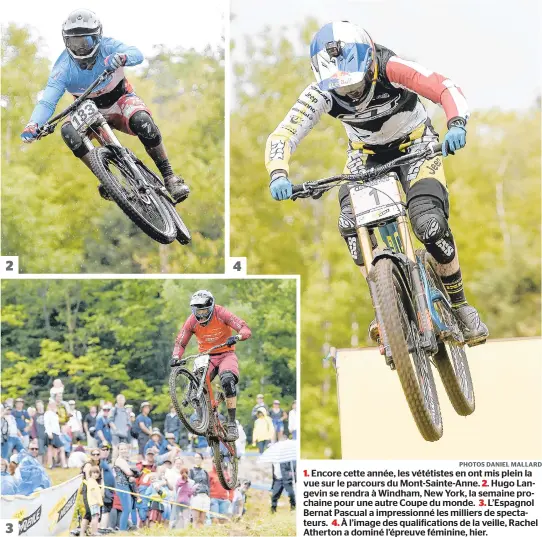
185, 24
490, 48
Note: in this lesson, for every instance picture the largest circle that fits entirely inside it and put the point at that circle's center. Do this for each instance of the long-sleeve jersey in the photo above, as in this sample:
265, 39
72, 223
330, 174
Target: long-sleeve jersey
68, 76
394, 113
216, 331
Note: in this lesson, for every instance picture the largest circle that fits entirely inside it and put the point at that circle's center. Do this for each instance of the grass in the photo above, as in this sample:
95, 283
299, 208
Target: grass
257, 521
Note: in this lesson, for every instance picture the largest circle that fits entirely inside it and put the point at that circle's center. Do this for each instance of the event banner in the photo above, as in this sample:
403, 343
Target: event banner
46, 512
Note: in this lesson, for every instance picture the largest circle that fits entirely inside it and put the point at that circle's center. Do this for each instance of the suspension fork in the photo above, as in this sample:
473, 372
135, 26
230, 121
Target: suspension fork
428, 339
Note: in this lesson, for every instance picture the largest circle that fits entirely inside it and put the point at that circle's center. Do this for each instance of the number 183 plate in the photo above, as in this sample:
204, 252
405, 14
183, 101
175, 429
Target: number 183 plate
84, 115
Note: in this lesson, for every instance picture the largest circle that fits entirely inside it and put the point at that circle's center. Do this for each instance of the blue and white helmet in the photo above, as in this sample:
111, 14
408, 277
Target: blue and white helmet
203, 305
343, 60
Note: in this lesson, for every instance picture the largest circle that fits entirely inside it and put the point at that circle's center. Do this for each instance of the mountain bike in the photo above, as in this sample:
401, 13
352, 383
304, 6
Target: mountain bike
138, 191
415, 321
197, 408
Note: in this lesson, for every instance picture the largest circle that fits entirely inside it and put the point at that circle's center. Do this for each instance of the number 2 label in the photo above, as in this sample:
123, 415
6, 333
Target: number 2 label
9, 266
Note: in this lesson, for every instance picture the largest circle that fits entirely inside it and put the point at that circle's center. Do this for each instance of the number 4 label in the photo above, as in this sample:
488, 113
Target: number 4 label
237, 266
9, 266
11, 526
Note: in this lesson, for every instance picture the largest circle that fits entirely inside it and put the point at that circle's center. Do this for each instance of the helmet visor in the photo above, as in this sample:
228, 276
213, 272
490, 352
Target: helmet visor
82, 46
353, 91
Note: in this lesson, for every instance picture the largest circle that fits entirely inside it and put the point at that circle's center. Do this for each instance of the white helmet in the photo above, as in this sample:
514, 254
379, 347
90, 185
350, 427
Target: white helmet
203, 305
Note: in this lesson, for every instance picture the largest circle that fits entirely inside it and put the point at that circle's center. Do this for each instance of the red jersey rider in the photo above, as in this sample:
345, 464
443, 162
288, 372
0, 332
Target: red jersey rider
212, 324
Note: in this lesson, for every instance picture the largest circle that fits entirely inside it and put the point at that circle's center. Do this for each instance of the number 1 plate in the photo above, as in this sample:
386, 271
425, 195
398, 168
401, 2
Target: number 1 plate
84, 115
201, 361
376, 201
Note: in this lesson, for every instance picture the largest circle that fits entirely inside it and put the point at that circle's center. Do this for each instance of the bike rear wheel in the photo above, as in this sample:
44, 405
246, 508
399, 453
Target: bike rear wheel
140, 203
226, 462
413, 366
183, 387
451, 359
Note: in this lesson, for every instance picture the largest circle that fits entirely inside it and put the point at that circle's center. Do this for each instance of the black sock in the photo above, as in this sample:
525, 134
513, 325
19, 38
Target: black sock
231, 414
165, 168
454, 286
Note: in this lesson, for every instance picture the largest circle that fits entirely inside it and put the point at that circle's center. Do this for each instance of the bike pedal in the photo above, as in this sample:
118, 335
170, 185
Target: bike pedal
476, 343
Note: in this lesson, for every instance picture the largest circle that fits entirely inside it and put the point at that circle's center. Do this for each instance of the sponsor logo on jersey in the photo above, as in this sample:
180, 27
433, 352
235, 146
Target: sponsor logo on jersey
382, 96
277, 150
371, 112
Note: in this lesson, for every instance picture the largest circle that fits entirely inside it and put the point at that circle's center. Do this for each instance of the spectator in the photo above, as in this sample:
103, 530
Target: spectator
87, 517
263, 430
133, 434
103, 427
77, 457
220, 497
239, 499
120, 424
171, 443
94, 498
58, 387
172, 474
66, 440
292, 421
283, 479
29, 474
200, 502
149, 462
13, 464
259, 404
157, 440
52, 439
199, 443
40, 428
172, 424
184, 490
241, 442
278, 416
75, 423
22, 418
33, 448
32, 430
108, 481
124, 476
143, 426
62, 409
146, 467
8, 485
10, 433
89, 425
157, 490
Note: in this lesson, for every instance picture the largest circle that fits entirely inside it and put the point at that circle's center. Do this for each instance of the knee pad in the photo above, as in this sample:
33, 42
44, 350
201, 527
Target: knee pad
229, 382
430, 226
142, 124
73, 140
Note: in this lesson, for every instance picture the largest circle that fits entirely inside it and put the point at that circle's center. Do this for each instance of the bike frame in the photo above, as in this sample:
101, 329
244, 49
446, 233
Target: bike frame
205, 381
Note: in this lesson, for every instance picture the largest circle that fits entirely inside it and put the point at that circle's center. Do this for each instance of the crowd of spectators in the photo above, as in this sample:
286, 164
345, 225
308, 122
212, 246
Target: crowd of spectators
147, 468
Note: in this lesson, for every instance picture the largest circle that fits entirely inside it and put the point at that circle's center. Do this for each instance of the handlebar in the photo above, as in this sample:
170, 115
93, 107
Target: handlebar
185, 359
49, 127
314, 187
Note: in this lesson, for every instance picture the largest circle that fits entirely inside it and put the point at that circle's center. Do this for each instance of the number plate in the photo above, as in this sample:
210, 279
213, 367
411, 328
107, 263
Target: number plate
84, 116
201, 361
376, 201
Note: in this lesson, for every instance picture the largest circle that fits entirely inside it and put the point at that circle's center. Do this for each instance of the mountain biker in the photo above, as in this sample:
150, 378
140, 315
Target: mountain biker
212, 324
374, 93
87, 55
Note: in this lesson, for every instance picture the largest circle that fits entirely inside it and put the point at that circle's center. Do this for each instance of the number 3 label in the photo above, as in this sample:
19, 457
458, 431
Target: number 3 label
9, 266
237, 266
11, 527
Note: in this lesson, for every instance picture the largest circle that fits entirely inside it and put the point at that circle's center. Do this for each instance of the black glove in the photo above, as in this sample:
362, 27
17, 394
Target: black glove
174, 362
232, 340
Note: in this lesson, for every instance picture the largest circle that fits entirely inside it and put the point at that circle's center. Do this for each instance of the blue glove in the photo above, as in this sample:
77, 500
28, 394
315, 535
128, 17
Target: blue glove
30, 133
114, 61
280, 187
455, 139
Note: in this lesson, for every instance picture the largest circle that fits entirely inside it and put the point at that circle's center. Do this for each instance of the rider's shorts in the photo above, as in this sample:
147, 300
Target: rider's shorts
225, 361
361, 156
118, 115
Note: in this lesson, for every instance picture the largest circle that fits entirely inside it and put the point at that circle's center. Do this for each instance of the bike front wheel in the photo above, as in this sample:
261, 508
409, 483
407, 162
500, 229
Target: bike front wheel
451, 359
139, 202
192, 411
226, 462
411, 361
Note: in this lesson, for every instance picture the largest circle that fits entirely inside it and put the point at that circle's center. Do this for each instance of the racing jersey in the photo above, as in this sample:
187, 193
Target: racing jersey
68, 76
216, 331
393, 115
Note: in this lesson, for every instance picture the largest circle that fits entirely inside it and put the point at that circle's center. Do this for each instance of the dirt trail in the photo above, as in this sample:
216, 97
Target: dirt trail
507, 423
